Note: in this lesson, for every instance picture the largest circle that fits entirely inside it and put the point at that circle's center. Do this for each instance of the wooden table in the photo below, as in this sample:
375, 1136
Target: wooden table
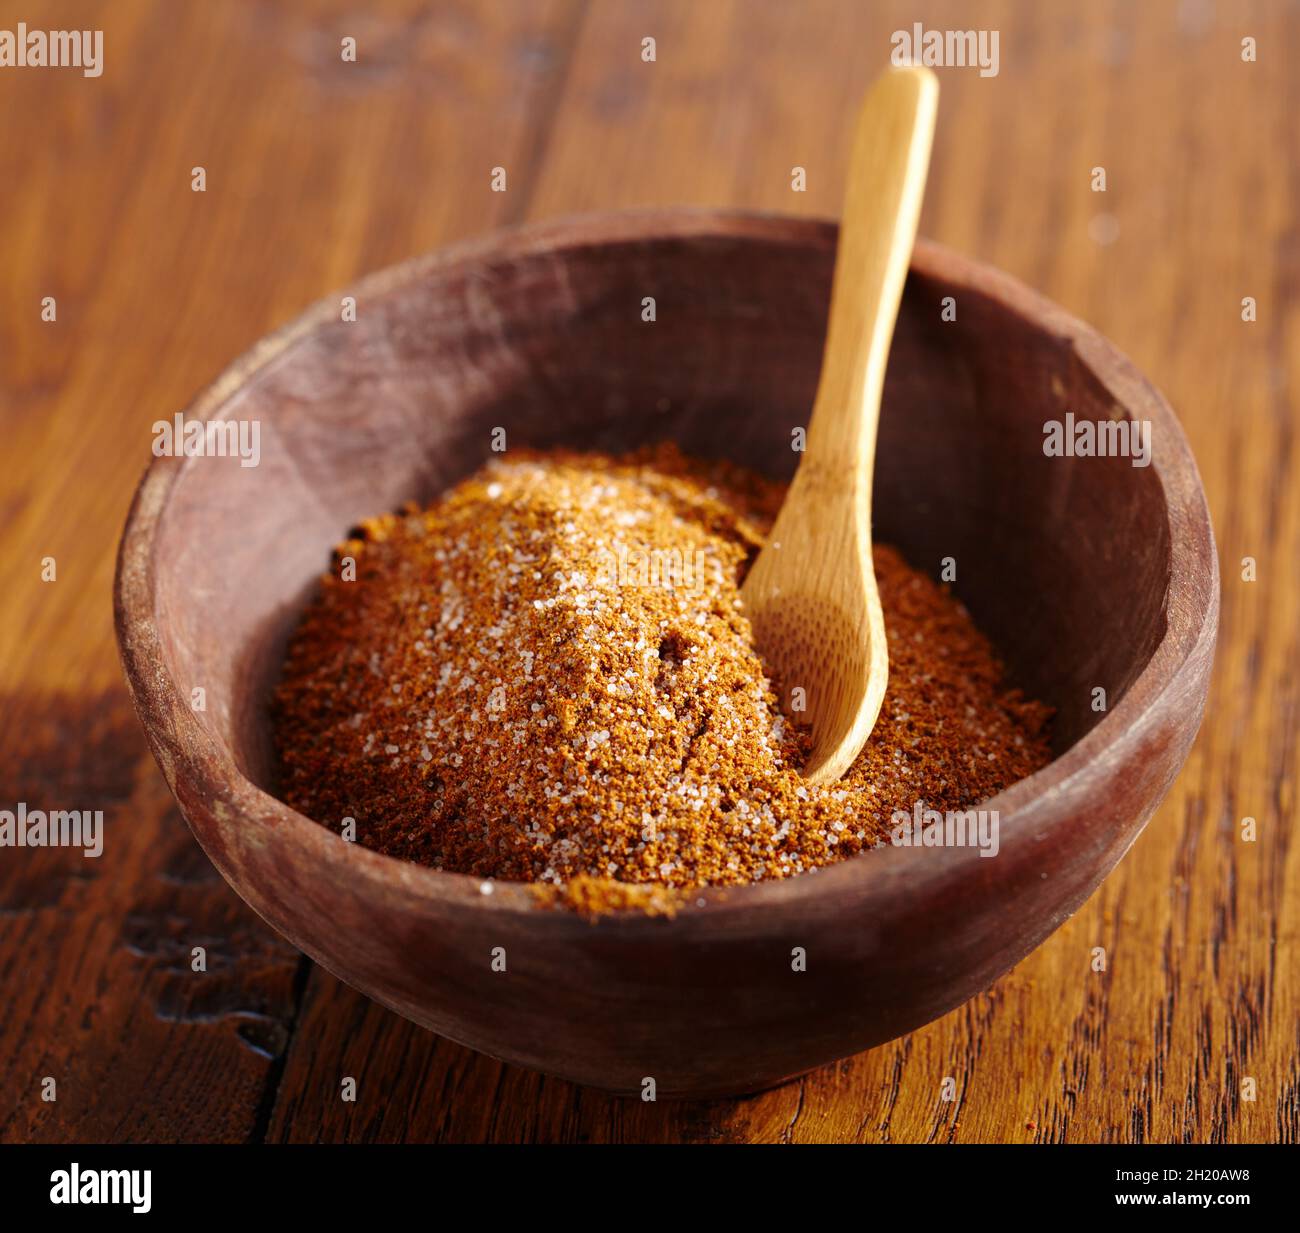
318, 170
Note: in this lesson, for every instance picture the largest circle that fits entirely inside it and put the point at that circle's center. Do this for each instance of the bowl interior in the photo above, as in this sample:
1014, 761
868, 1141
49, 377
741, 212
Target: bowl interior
1064, 562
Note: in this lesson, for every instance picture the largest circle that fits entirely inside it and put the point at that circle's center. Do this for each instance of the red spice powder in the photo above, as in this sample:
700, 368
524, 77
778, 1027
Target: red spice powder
547, 676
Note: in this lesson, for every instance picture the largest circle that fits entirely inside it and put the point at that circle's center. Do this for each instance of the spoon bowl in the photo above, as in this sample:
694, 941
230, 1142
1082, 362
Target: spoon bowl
1086, 573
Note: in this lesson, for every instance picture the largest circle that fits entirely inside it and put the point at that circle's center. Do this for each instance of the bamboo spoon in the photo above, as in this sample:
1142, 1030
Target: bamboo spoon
811, 594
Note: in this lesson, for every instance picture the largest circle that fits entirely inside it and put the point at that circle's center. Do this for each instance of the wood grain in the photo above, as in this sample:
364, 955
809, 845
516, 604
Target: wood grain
314, 178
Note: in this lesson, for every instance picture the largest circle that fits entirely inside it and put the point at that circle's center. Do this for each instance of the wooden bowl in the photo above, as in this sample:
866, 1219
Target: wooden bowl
1086, 572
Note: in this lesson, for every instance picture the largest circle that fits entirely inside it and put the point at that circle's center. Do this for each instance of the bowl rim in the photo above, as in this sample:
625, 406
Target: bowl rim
186, 752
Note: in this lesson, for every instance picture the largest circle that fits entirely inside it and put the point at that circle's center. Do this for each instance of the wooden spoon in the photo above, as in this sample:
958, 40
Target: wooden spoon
811, 594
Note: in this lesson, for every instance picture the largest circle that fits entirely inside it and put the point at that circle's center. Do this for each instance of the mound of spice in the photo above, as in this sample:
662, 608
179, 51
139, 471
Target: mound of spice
547, 676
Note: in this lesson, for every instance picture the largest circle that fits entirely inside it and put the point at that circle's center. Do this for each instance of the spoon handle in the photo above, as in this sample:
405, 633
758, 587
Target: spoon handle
887, 170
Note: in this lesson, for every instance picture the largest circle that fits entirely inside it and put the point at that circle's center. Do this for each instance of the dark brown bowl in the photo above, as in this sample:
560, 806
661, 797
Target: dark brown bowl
1086, 572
